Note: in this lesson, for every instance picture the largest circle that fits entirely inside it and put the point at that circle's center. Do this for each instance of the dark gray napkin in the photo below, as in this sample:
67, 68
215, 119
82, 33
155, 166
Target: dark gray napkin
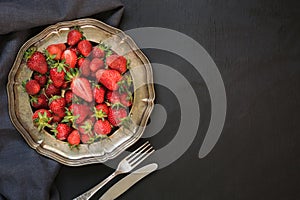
24, 174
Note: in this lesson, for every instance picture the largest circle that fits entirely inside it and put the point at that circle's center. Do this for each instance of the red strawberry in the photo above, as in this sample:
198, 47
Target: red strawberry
117, 62
98, 52
56, 119
80, 61
96, 64
41, 118
102, 127
75, 49
84, 66
39, 101
51, 90
74, 37
74, 138
87, 126
70, 58
101, 111
65, 85
80, 112
41, 112
126, 99
36, 61
54, 51
85, 47
68, 96
57, 105
41, 79
86, 138
115, 116
62, 46
32, 87
57, 76
62, 131
113, 97
99, 93
81, 87
109, 78
57, 102
61, 112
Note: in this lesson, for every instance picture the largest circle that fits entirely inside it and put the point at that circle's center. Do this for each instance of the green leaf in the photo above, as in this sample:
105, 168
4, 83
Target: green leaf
106, 48
117, 106
28, 53
128, 62
33, 99
74, 146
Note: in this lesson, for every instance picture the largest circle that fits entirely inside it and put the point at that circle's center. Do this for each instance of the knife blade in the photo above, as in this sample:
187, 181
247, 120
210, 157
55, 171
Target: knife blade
127, 182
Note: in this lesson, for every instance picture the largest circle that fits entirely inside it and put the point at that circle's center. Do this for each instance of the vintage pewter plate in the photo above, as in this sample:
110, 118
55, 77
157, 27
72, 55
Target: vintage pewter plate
45, 143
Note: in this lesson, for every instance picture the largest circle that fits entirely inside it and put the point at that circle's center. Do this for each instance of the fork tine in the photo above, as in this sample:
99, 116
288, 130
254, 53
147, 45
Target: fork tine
142, 157
134, 152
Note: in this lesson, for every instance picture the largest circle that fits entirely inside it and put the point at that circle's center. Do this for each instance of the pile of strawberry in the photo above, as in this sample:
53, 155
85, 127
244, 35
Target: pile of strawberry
80, 91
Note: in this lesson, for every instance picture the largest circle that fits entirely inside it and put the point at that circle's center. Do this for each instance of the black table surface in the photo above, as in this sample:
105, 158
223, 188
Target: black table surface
256, 46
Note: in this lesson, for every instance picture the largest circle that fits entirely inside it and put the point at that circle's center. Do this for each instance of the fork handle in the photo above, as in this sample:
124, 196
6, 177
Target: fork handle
88, 194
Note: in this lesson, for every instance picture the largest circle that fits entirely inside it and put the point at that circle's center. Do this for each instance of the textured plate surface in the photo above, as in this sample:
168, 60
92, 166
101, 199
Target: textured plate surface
45, 143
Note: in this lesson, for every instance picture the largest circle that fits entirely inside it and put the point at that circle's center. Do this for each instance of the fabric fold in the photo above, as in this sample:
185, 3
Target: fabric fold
25, 174
17, 15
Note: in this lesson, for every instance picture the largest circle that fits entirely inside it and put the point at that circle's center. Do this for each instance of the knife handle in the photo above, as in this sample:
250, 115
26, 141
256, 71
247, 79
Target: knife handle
88, 194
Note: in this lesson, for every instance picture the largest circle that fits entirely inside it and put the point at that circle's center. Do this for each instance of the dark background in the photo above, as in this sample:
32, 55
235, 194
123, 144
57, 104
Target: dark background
256, 46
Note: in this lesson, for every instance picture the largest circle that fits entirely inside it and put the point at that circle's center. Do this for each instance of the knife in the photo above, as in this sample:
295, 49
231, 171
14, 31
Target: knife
124, 184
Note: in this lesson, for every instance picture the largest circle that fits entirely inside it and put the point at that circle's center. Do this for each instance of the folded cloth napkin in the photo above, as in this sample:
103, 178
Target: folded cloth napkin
25, 174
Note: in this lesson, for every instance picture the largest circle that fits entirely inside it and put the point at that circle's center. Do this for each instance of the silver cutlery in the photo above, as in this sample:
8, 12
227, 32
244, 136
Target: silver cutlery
125, 166
127, 182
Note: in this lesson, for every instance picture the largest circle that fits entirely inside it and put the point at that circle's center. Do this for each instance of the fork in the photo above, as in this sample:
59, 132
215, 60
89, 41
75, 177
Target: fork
125, 166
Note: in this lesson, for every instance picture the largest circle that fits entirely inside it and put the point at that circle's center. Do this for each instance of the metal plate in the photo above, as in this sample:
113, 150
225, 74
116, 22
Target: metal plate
43, 142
